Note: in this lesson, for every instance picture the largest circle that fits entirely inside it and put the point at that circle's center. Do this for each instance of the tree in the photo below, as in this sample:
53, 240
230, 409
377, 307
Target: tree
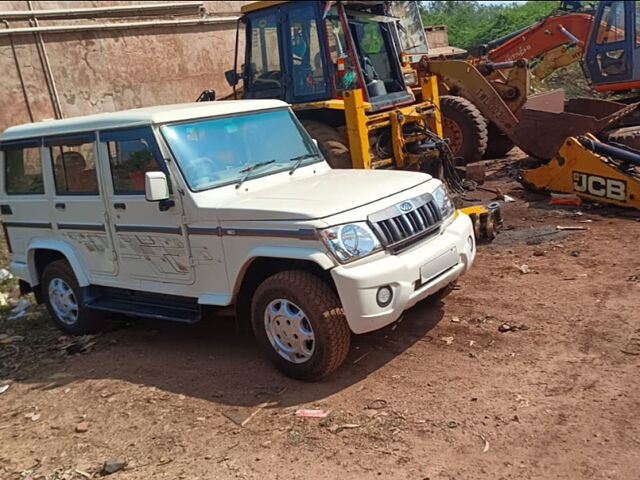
476, 23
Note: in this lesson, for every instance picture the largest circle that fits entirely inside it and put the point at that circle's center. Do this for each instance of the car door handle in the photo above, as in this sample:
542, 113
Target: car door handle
119, 206
61, 206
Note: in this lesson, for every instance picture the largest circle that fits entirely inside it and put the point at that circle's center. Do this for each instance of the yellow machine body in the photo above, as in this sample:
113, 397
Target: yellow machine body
486, 219
361, 123
576, 169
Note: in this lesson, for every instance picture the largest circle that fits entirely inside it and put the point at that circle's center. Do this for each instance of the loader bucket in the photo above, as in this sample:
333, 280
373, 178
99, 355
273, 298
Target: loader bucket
546, 121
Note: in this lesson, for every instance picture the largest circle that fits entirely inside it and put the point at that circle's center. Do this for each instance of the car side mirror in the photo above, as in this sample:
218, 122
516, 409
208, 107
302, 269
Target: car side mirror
156, 187
232, 77
315, 142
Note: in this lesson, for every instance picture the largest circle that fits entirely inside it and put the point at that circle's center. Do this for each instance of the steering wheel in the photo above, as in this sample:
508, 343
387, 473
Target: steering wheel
269, 79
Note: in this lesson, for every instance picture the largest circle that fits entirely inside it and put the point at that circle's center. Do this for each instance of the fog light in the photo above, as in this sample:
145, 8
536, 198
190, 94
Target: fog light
471, 242
384, 296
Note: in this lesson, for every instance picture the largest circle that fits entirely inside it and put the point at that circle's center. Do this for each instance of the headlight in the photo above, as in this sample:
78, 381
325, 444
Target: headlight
410, 78
443, 201
350, 241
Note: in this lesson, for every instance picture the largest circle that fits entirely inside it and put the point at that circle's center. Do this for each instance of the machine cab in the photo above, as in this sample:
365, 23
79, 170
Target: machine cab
613, 54
307, 51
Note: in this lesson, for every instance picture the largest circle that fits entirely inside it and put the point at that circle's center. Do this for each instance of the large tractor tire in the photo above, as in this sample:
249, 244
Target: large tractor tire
499, 144
333, 146
465, 127
629, 136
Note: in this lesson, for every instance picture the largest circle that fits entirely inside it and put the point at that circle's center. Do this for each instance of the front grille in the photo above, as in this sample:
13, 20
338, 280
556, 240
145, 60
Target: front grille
404, 224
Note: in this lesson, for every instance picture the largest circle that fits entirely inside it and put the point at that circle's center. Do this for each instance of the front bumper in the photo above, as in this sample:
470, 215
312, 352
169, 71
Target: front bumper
412, 275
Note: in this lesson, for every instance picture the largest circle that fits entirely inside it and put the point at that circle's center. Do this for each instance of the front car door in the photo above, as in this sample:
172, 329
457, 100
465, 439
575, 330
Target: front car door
151, 243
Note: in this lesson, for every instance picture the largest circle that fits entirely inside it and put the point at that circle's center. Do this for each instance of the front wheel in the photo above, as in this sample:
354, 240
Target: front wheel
465, 127
333, 145
299, 324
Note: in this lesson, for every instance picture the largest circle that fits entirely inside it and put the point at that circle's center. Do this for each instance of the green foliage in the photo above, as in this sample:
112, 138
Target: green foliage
475, 23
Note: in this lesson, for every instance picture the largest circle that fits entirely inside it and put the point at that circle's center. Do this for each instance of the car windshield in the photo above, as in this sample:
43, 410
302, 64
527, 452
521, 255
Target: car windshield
219, 151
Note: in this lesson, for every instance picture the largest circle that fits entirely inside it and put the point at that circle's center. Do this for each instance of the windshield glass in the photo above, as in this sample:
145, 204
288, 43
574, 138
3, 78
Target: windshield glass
214, 151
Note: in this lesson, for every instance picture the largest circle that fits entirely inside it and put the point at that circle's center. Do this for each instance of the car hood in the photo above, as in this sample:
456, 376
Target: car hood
317, 196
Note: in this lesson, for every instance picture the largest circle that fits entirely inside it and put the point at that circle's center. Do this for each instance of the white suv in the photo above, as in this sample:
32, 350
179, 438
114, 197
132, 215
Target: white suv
159, 212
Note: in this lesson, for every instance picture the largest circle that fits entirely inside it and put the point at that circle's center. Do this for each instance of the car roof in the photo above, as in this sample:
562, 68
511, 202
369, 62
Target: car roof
137, 117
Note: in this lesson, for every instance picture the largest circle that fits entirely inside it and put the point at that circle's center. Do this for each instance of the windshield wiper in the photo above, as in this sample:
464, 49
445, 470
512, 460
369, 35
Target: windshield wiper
300, 159
249, 170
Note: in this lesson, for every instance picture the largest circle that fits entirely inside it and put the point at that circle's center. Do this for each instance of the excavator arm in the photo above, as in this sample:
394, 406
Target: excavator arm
556, 58
551, 32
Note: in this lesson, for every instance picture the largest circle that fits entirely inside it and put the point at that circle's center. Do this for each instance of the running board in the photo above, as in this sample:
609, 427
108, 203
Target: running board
139, 304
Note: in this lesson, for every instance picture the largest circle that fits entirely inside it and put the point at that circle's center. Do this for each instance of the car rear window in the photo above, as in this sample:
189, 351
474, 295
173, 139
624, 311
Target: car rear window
23, 168
74, 164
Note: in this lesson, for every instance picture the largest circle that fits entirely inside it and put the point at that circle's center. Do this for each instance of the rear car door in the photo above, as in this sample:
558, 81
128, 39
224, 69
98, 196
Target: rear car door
150, 241
78, 206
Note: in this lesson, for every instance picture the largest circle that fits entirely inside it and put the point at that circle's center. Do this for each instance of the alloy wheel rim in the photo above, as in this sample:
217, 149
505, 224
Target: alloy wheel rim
63, 301
289, 330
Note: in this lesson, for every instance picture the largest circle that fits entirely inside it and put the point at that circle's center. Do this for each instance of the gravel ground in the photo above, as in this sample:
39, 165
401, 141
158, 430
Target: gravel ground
446, 393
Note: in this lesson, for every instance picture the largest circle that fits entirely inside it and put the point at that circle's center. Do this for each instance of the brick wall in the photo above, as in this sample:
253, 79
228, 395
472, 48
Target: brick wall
107, 70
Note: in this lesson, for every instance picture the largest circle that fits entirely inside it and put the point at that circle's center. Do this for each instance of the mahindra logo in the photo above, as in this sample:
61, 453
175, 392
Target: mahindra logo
405, 207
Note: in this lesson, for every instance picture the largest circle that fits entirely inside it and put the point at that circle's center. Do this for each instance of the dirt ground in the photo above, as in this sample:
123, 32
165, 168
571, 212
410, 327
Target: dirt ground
443, 394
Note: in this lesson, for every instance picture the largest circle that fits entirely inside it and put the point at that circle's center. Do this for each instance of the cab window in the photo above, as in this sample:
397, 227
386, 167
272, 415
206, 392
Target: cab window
346, 76
23, 168
611, 28
74, 164
264, 71
308, 71
132, 153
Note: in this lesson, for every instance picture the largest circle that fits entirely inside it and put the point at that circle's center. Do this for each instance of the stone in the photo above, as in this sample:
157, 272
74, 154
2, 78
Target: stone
82, 427
113, 465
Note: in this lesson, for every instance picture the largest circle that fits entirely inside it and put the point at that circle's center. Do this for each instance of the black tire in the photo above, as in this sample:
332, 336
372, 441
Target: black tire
499, 144
333, 145
465, 127
629, 136
86, 321
323, 311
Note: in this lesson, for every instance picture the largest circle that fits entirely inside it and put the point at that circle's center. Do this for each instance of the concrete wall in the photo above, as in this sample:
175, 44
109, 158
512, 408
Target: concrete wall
107, 70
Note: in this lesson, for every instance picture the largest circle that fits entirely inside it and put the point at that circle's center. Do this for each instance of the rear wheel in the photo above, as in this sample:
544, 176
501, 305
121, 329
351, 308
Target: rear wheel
499, 144
333, 145
300, 325
465, 127
63, 297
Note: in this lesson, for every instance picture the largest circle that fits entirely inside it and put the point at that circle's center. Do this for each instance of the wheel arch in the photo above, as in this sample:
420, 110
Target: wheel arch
42, 252
263, 263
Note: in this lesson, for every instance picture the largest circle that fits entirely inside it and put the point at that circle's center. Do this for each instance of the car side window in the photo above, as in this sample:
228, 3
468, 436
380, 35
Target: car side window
132, 153
23, 168
74, 164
